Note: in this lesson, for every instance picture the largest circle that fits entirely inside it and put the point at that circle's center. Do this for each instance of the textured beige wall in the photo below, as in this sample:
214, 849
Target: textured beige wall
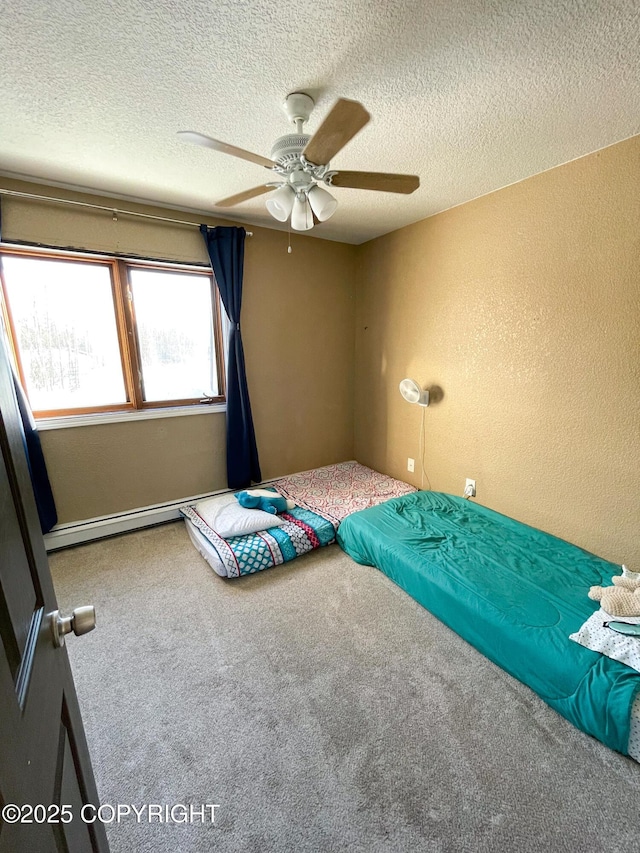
297, 316
298, 320
523, 307
108, 468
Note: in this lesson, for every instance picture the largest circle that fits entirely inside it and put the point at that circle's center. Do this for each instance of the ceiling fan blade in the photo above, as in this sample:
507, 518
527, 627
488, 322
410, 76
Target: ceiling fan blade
245, 196
382, 181
225, 148
343, 122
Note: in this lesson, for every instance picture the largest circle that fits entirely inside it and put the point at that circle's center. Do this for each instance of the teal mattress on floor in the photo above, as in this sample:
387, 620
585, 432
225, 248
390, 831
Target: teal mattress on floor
513, 592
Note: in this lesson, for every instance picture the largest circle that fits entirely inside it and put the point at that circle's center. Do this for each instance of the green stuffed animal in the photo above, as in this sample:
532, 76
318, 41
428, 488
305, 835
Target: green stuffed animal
268, 500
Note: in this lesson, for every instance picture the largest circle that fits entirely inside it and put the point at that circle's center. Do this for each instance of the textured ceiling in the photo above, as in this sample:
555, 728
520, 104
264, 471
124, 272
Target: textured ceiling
469, 95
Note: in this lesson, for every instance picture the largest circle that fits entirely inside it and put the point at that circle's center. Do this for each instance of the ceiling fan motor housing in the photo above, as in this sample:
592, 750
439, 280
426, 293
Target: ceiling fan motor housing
287, 149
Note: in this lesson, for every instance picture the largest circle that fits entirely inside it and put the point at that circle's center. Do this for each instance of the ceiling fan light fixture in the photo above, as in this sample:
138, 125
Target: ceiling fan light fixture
301, 215
323, 204
302, 162
281, 202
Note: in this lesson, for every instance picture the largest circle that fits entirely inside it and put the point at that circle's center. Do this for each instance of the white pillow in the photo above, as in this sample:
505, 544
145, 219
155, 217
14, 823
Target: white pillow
622, 647
225, 515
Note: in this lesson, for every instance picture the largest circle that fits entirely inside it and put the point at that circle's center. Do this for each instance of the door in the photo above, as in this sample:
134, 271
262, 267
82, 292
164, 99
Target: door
45, 770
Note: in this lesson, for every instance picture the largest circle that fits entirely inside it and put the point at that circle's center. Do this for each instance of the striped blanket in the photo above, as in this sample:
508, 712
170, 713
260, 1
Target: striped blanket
302, 531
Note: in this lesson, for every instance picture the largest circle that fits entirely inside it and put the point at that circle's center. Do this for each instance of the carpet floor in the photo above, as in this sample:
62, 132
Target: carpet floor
322, 710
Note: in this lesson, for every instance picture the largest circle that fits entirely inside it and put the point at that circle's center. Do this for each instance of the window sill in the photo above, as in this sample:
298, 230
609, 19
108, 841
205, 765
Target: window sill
122, 417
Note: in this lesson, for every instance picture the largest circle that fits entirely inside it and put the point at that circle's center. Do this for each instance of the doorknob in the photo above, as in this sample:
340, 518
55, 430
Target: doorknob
81, 621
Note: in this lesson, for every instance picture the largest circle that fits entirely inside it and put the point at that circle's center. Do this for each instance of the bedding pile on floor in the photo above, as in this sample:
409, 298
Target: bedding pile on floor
239, 552
238, 541
336, 491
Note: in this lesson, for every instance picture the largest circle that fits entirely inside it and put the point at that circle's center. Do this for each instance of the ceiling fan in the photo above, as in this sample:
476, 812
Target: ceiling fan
301, 164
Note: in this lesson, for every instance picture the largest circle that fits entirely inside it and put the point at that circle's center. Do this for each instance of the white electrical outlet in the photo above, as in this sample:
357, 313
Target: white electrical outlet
411, 465
470, 488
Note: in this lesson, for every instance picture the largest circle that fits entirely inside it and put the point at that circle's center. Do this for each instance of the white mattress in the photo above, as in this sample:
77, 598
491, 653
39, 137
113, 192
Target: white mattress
205, 549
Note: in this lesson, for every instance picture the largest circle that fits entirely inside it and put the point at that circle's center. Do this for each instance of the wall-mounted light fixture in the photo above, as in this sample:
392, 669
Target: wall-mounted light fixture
413, 393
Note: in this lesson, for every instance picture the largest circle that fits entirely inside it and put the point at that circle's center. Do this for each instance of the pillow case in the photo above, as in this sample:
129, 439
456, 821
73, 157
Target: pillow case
620, 647
225, 515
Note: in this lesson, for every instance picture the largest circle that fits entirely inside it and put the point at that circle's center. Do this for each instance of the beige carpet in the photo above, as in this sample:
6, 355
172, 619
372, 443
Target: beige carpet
323, 710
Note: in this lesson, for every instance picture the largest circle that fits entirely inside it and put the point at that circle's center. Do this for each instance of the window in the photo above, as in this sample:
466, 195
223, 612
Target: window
104, 334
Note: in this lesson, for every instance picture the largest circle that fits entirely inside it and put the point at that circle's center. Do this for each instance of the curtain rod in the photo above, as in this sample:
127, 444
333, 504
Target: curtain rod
114, 210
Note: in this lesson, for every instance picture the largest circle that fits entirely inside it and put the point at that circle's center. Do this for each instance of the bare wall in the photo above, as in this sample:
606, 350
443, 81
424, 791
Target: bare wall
523, 309
297, 317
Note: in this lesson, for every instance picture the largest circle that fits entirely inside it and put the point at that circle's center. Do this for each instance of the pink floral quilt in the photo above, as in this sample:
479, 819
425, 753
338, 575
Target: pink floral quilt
336, 491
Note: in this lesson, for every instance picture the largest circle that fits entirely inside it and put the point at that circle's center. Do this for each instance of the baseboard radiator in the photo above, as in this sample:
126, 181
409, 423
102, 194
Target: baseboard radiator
79, 532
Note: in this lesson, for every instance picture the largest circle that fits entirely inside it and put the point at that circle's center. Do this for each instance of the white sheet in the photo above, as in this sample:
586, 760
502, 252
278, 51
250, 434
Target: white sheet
621, 647
206, 549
